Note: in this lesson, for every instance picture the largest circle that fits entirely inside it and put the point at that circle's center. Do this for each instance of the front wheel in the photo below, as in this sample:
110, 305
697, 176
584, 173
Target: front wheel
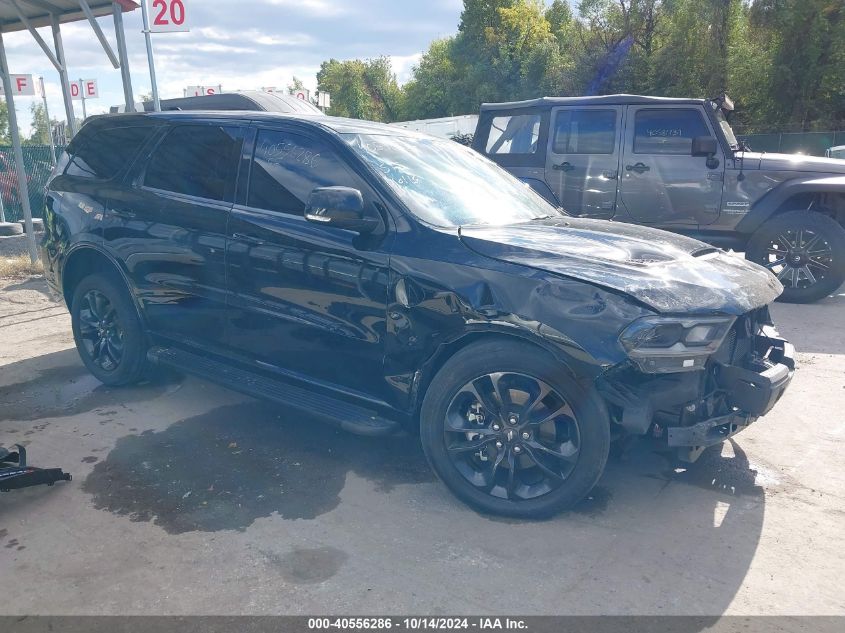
805, 250
511, 433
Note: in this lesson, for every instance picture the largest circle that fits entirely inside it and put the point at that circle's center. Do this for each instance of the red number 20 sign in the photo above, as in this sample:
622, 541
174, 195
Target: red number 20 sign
168, 16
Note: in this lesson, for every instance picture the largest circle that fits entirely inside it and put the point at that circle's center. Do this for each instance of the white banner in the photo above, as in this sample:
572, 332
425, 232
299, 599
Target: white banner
168, 16
22, 86
199, 91
84, 88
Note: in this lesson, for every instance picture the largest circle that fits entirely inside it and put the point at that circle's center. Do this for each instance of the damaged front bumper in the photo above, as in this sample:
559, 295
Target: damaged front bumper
693, 411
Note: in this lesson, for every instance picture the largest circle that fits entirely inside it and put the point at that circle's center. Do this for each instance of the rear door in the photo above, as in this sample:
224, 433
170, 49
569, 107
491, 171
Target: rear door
169, 228
662, 183
582, 164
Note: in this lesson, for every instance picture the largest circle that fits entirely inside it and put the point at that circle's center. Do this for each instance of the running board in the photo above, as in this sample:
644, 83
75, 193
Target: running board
349, 417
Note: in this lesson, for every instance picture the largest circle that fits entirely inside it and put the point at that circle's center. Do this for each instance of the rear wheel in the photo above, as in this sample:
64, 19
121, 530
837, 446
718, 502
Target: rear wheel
510, 433
107, 331
805, 250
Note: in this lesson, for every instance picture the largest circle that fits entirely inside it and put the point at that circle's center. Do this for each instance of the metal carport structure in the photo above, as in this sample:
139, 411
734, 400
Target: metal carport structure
19, 15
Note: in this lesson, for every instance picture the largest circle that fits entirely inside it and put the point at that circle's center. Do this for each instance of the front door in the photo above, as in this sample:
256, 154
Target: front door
662, 183
582, 164
169, 227
305, 300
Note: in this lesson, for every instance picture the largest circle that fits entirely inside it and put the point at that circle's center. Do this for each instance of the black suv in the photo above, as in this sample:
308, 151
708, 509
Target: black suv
390, 281
676, 164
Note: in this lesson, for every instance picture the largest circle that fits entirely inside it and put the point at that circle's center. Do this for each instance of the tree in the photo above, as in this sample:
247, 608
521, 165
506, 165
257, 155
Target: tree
362, 89
296, 84
40, 134
433, 91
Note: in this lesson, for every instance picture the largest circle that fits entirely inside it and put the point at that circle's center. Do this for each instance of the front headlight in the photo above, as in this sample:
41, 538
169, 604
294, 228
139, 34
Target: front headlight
671, 344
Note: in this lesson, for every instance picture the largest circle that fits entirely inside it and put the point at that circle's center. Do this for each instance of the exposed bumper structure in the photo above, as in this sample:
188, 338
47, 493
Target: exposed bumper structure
693, 411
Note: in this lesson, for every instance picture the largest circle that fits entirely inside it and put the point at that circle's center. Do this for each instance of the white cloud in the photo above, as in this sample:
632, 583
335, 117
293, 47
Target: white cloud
315, 8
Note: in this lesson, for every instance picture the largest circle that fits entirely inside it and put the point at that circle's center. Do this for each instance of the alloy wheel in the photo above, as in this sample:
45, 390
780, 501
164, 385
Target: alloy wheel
512, 436
799, 258
100, 330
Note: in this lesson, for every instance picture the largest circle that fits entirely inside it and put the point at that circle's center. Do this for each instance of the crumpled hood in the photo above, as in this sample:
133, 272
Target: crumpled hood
793, 162
668, 272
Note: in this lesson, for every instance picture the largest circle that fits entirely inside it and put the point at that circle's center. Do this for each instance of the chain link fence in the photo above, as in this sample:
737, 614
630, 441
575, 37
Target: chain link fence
38, 164
810, 143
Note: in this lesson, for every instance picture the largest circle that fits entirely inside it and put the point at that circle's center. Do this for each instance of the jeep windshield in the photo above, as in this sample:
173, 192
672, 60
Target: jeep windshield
446, 184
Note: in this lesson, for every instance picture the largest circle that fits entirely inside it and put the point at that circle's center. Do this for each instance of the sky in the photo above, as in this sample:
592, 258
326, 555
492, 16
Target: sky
240, 45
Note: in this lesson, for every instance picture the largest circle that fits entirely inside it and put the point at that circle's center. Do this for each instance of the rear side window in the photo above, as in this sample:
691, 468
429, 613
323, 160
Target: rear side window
196, 160
667, 131
287, 167
516, 134
103, 154
585, 132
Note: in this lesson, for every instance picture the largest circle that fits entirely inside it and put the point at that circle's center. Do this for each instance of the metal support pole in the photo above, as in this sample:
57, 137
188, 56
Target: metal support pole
82, 96
49, 123
83, 4
150, 61
60, 55
120, 36
23, 189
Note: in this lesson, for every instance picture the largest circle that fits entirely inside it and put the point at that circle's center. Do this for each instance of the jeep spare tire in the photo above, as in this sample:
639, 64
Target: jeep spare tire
805, 250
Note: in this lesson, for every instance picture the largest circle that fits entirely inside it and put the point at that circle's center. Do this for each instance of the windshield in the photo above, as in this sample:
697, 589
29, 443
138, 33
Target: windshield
446, 184
727, 130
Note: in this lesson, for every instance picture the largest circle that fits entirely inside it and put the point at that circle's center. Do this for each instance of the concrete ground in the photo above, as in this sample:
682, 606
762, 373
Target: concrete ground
188, 498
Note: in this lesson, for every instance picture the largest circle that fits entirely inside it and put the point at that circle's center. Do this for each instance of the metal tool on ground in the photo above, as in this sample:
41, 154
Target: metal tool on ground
15, 473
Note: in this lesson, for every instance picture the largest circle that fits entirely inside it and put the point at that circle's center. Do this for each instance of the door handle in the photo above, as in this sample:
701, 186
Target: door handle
610, 175
123, 213
564, 166
247, 239
640, 168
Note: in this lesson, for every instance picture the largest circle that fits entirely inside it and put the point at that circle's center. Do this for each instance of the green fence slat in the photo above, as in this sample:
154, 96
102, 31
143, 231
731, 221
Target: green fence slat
37, 164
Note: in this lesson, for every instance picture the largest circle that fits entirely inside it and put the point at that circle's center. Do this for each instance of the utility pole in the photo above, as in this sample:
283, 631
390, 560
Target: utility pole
49, 123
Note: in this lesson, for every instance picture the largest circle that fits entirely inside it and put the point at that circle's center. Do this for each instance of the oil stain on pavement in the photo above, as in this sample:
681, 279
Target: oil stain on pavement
307, 566
224, 469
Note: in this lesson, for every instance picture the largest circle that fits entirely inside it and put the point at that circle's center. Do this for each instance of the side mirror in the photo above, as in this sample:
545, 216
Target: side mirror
341, 207
704, 146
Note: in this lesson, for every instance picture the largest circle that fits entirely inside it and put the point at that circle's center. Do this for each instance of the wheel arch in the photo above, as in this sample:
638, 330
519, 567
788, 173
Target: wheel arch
448, 349
812, 194
85, 260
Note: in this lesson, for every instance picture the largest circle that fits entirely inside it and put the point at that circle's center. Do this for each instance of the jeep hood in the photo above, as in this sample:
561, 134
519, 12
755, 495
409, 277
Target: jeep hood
669, 273
793, 162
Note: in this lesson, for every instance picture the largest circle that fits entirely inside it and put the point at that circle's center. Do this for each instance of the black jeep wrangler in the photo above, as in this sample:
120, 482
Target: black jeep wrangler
386, 280
676, 164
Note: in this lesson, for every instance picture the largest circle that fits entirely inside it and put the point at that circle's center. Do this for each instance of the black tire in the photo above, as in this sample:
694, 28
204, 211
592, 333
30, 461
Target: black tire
118, 327
518, 361
10, 228
806, 250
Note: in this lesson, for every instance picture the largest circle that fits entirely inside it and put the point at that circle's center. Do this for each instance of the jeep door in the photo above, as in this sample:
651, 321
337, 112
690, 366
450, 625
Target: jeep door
661, 182
305, 300
168, 226
582, 164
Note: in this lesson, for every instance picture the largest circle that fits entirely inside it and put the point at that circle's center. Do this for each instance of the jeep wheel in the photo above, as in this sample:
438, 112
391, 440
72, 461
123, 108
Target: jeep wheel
107, 331
510, 433
805, 250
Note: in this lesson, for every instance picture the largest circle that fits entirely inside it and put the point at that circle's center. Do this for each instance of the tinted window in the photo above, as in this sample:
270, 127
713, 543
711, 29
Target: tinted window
287, 167
667, 131
105, 153
514, 134
585, 132
195, 160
